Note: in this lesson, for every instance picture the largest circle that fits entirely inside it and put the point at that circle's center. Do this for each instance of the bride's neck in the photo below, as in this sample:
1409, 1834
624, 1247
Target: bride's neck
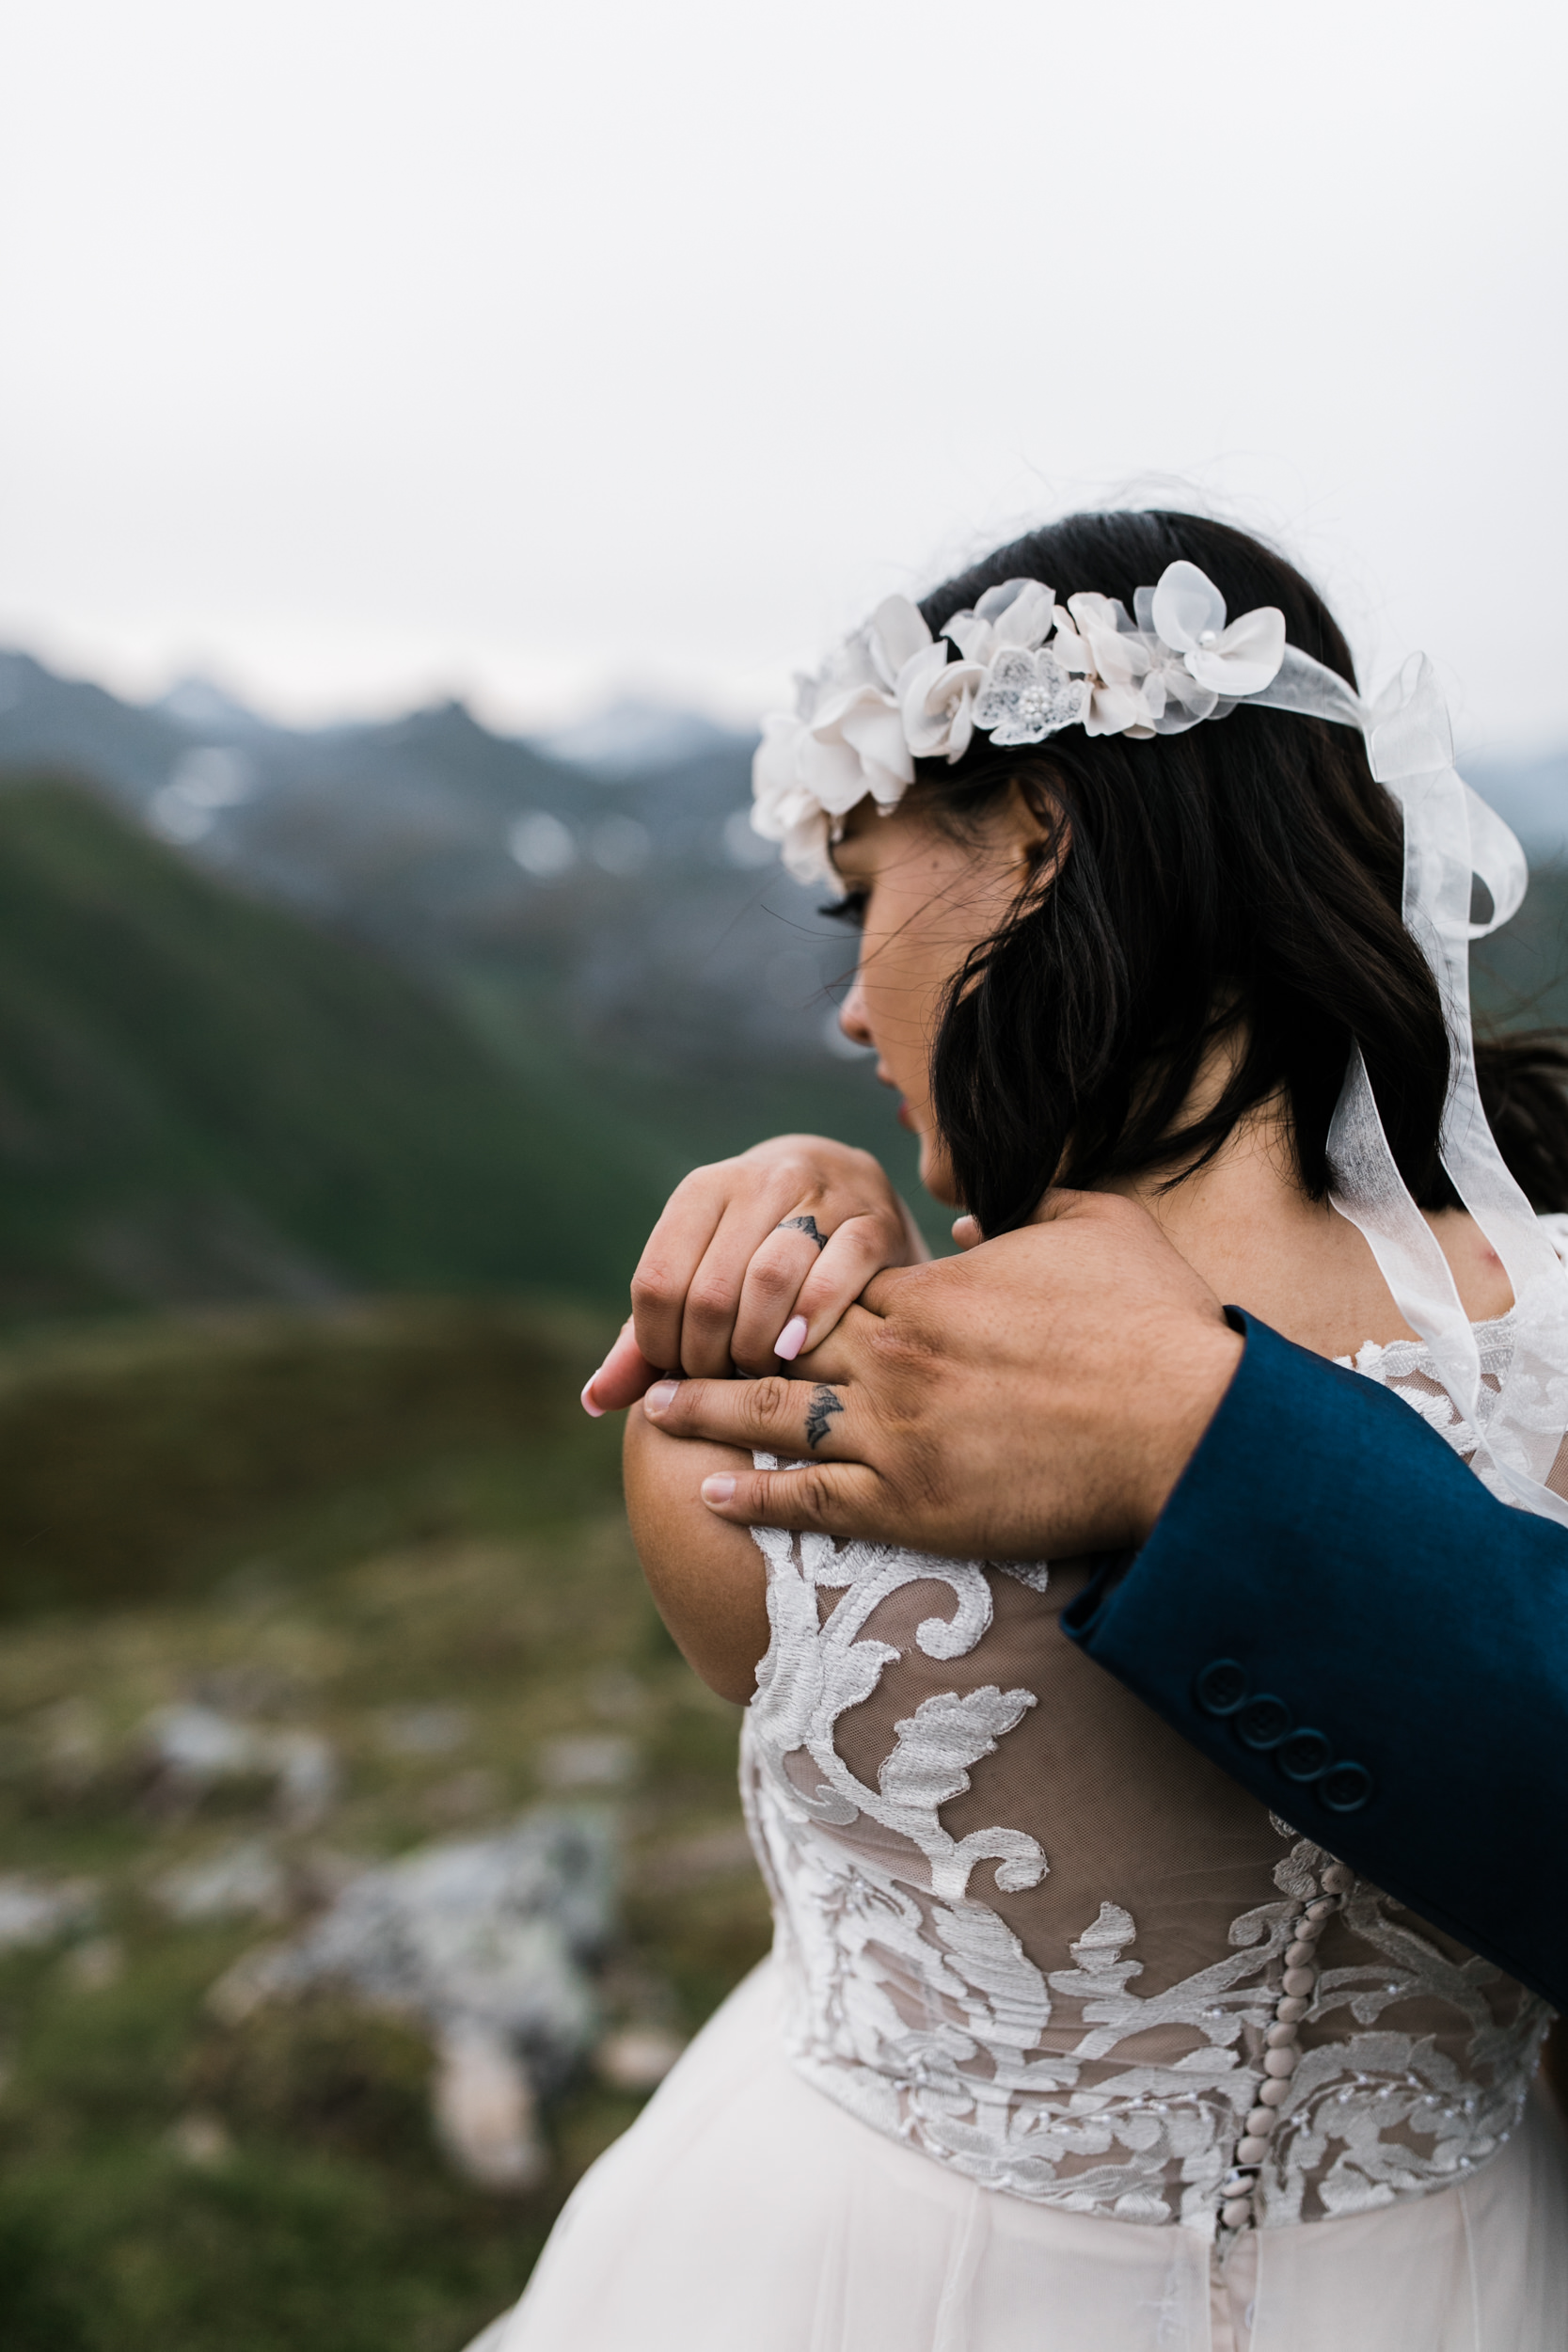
1246, 1223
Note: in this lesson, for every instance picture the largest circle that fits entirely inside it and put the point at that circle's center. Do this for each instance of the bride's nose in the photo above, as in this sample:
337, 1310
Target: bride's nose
852, 1020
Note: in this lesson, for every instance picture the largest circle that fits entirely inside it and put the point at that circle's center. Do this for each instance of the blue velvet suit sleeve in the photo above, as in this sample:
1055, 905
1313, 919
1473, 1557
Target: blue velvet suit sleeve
1335, 1609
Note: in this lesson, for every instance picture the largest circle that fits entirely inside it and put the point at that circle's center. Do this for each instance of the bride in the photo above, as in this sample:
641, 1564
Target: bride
1067, 2041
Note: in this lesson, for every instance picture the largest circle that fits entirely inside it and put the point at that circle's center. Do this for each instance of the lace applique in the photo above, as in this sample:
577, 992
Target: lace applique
1522, 1400
814, 1670
1035, 1573
1057, 2044
1407, 1366
1538, 1405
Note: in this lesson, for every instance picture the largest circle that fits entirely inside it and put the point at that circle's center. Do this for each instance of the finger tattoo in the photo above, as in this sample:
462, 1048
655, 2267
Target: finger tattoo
806, 1225
820, 1412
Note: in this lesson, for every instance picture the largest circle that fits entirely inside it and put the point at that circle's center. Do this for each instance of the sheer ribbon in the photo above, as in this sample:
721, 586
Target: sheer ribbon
1451, 840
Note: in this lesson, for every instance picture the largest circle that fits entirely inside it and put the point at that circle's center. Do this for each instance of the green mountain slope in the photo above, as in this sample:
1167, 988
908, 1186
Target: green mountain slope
201, 1096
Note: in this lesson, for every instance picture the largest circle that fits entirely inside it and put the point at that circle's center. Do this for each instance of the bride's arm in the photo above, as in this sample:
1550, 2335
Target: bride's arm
791, 1230
706, 1577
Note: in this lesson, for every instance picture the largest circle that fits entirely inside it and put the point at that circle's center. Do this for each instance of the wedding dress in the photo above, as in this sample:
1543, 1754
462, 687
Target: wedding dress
1066, 2043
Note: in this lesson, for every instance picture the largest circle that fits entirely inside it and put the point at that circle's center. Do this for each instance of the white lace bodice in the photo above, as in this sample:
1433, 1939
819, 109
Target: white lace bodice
1028, 1929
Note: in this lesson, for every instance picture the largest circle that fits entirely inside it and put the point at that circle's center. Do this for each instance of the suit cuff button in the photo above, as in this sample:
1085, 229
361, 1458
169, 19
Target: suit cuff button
1305, 1756
1264, 1722
1221, 1686
1346, 1787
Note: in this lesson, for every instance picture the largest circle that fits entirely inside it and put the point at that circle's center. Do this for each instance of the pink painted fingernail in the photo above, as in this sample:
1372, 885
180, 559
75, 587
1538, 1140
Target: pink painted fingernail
659, 1397
720, 1489
588, 1405
791, 1339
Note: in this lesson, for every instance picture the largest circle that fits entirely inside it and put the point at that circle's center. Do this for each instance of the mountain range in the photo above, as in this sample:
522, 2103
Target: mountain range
291, 1013
623, 877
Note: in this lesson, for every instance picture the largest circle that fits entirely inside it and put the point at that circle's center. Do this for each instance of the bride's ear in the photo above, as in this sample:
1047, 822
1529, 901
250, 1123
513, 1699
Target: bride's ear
1039, 832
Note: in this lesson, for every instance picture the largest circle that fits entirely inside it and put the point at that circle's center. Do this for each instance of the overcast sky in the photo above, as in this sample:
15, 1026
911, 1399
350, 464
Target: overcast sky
356, 350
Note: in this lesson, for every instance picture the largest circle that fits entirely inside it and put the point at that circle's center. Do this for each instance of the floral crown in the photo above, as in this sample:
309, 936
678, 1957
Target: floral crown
892, 694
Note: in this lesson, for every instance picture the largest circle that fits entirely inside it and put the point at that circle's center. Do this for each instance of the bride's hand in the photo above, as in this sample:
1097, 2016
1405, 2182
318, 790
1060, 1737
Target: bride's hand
754, 1261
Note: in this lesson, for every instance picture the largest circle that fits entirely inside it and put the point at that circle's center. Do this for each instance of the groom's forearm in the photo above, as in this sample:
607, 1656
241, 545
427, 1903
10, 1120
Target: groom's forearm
1337, 1612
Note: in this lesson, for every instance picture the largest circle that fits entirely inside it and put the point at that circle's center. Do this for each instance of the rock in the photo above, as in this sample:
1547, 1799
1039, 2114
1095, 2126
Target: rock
35, 1911
599, 1760
484, 1939
636, 2058
195, 1748
242, 1989
197, 1743
246, 1880
424, 1730
200, 2139
486, 2116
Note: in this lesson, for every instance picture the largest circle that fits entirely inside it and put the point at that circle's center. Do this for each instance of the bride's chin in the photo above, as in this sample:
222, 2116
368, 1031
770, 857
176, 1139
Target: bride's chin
936, 1173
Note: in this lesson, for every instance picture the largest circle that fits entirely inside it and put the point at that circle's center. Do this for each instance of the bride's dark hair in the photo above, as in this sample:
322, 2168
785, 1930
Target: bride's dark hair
1240, 880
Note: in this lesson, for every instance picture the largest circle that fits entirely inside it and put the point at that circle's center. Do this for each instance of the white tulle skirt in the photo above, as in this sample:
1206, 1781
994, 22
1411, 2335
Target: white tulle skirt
745, 2211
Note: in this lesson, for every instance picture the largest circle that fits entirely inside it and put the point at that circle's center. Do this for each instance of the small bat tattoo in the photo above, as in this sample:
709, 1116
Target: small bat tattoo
806, 1225
820, 1412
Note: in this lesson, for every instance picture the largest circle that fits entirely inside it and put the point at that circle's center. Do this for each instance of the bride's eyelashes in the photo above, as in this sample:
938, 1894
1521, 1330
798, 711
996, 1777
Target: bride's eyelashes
850, 910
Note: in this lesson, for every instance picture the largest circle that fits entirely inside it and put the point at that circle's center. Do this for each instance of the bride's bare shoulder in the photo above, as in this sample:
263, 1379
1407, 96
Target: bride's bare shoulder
1477, 1269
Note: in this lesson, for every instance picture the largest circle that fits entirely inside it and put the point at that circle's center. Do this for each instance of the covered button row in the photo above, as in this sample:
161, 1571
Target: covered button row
1281, 2043
1263, 1723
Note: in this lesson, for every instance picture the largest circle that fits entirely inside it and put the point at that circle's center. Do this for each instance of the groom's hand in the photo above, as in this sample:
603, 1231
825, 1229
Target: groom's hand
1037, 1397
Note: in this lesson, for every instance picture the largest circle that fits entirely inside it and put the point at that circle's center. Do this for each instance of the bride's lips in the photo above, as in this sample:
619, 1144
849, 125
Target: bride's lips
903, 1114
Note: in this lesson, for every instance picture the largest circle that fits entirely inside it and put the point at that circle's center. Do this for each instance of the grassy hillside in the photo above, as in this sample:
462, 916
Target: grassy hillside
203, 1096
150, 1455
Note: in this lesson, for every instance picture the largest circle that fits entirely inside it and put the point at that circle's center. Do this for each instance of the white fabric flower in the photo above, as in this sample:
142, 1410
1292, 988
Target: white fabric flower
1103, 647
1172, 696
855, 720
1187, 612
1020, 614
783, 806
936, 699
1028, 696
846, 739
